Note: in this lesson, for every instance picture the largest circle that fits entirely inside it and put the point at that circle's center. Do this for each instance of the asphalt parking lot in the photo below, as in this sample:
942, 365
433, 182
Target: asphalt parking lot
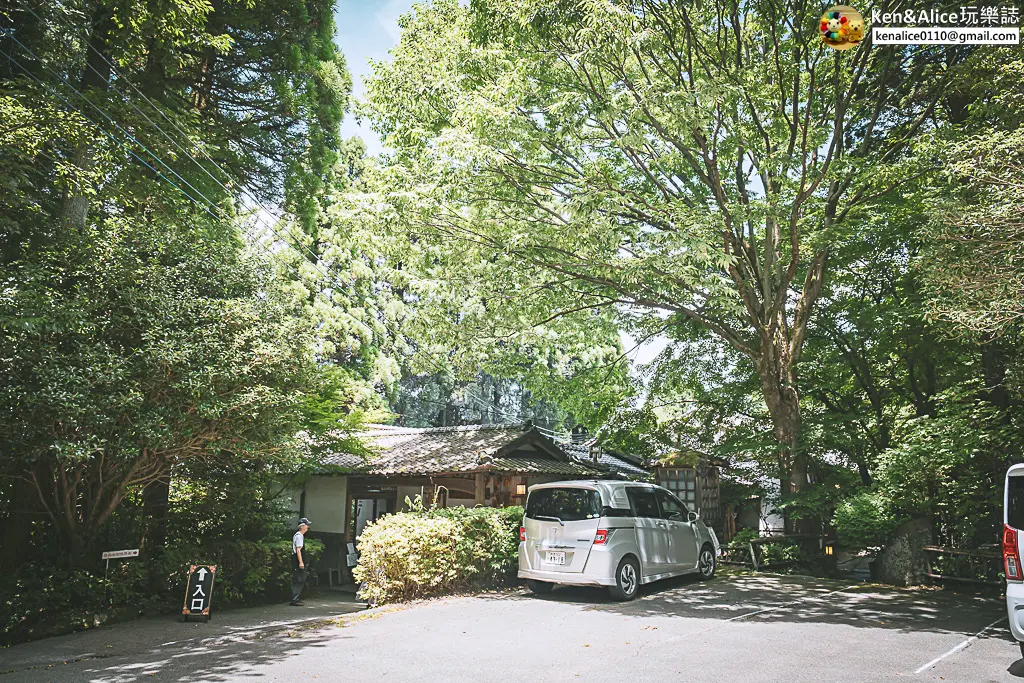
742, 628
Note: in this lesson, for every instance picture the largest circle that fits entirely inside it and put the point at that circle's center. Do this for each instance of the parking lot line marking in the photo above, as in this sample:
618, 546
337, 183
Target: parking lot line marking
962, 646
786, 604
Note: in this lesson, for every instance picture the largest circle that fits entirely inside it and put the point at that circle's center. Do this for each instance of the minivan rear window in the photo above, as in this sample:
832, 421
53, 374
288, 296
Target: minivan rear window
1015, 502
567, 504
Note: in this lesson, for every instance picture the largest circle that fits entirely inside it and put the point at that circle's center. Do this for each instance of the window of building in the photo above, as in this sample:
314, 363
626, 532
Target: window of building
681, 481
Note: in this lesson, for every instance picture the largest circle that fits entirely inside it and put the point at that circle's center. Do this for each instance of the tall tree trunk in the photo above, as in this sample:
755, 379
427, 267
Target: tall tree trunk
155, 505
993, 364
16, 529
95, 79
778, 384
202, 93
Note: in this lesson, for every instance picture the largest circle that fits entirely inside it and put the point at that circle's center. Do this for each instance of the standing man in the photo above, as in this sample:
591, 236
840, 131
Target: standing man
298, 563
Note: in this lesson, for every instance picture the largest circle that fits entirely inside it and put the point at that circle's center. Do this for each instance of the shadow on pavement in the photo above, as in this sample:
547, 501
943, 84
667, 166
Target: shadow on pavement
796, 599
154, 640
219, 659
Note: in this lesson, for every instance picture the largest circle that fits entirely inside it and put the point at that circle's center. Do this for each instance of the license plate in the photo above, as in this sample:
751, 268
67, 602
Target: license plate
555, 557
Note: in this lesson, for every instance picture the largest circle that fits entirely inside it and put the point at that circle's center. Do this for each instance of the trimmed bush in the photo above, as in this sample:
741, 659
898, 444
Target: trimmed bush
865, 520
433, 552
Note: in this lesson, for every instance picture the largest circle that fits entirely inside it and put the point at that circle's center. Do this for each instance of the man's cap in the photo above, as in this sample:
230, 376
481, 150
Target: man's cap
305, 521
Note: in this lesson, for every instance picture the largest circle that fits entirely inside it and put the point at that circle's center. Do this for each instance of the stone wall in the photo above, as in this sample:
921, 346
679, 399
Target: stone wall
903, 562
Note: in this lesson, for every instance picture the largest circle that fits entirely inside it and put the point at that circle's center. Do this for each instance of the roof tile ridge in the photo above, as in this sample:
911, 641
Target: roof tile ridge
469, 428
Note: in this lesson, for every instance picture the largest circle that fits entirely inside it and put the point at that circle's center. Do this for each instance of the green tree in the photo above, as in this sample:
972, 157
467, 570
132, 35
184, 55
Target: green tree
140, 347
973, 253
656, 165
151, 335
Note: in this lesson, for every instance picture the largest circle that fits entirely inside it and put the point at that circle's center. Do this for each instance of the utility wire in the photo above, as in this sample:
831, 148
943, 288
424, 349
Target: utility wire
131, 152
155, 108
126, 149
327, 278
227, 176
330, 280
257, 220
314, 263
102, 130
113, 122
227, 191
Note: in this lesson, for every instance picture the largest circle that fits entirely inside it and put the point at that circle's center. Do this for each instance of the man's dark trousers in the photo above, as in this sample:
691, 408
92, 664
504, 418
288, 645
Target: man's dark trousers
298, 581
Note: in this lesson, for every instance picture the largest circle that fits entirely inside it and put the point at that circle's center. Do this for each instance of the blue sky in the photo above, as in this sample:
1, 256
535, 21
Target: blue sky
366, 30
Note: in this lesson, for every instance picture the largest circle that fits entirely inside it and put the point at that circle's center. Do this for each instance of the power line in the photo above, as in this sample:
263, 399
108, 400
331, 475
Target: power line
102, 130
332, 281
227, 191
314, 263
140, 159
227, 176
125, 148
210, 202
315, 257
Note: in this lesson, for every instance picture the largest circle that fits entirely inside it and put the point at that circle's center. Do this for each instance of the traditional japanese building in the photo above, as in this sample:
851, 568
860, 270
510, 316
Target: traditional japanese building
490, 466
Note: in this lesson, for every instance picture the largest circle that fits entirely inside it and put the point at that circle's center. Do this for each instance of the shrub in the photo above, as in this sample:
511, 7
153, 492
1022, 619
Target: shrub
865, 520
423, 553
775, 556
743, 537
247, 571
40, 599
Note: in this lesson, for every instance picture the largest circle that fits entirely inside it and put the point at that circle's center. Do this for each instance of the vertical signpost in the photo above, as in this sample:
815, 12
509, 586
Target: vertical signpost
199, 591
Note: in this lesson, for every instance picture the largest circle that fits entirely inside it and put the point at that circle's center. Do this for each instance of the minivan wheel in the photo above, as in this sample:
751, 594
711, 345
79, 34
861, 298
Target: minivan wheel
627, 579
539, 587
706, 562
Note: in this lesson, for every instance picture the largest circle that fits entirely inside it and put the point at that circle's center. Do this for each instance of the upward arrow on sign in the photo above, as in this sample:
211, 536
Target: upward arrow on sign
202, 574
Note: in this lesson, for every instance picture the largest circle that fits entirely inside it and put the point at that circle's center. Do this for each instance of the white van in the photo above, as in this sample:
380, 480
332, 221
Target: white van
1013, 538
616, 534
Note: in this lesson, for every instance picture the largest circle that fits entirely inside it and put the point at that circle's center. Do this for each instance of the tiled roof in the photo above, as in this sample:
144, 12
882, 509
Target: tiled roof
462, 449
621, 465
616, 463
544, 466
346, 462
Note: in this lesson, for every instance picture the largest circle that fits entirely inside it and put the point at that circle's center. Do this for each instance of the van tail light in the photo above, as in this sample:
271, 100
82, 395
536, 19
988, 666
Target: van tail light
601, 537
522, 533
1011, 555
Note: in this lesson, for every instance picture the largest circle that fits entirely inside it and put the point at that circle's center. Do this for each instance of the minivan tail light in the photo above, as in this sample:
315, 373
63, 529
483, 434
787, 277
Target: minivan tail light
522, 533
601, 537
1011, 555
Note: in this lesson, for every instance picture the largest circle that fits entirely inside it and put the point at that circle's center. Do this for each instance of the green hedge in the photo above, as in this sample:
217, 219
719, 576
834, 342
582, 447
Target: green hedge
865, 519
42, 600
433, 552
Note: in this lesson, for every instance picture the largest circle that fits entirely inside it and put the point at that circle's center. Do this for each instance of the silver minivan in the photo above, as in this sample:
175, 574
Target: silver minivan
618, 534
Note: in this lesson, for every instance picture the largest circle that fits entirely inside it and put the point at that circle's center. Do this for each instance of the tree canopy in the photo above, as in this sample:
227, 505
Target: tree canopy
645, 165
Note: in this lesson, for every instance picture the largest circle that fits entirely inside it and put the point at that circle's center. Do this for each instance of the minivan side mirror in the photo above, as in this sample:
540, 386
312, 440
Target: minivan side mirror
692, 516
